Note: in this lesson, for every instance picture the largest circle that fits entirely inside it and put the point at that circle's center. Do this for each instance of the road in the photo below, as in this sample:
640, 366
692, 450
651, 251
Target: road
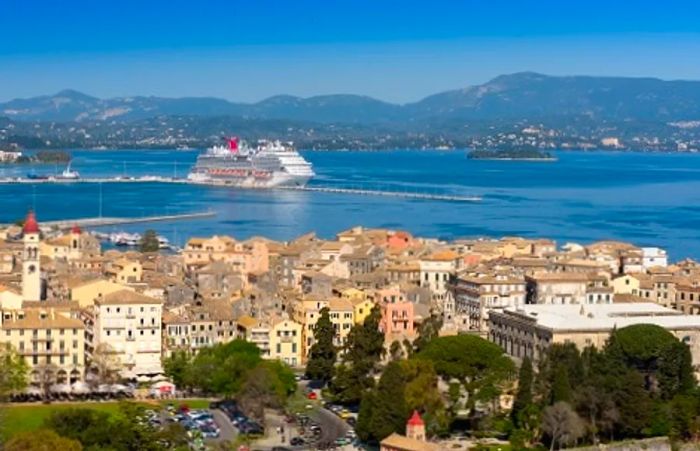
332, 426
227, 430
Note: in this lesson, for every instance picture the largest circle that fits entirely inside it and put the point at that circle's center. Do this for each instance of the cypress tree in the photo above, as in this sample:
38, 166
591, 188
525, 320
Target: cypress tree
323, 354
523, 398
561, 387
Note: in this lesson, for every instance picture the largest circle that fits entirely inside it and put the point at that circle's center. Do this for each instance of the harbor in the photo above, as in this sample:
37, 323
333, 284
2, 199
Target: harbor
417, 195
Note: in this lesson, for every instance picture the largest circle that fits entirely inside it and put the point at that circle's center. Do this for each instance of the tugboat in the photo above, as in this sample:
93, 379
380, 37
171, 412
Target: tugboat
69, 174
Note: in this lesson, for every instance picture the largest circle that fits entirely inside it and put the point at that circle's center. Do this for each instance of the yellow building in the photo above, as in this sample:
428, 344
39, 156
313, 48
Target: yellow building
51, 340
124, 271
342, 316
626, 284
361, 309
86, 293
286, 341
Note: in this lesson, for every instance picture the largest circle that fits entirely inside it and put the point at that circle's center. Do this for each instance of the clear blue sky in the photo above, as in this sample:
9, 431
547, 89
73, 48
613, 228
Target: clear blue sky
393, 50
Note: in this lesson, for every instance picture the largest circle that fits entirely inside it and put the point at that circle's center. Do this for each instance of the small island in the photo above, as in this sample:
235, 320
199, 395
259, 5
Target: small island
40, 157
511, 154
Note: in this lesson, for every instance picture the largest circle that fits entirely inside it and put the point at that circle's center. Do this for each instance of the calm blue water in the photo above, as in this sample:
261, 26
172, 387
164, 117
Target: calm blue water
648, 199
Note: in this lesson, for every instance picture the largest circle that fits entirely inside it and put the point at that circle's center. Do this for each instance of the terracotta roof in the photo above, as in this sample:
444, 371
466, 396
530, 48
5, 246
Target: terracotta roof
33, 319
399, 442
247, 321
30, 224
126, 297
446, 255
340, 304
415, 419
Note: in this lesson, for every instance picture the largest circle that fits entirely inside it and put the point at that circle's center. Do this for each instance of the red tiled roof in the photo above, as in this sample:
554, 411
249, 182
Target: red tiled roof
30, 224
415, 419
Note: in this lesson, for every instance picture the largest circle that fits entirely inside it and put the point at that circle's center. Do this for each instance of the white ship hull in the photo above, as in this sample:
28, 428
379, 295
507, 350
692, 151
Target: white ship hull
278, 179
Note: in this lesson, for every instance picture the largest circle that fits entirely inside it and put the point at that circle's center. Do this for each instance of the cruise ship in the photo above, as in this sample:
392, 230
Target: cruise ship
268, 164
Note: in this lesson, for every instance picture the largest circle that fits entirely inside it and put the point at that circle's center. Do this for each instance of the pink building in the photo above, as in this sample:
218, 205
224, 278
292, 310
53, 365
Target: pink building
397, 320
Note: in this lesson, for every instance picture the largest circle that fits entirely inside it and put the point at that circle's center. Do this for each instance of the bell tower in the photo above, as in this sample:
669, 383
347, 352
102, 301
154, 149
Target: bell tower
74, 251
415, 427
31, 271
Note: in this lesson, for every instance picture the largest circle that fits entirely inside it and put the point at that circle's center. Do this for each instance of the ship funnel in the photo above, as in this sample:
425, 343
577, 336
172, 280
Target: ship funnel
233, 144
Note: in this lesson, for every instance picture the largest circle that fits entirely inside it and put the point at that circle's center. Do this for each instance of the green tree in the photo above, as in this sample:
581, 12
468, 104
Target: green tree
322, 355
13, 372
266, 386
149, 241
427, 331
221, 369
385, 411
480, 366
523, 397
664, 362
178, 367
396, 350
41, 440
422, 394
124, 431
561, 386
364, 350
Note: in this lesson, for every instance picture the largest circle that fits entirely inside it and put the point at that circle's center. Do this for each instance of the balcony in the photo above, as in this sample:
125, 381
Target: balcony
32, 352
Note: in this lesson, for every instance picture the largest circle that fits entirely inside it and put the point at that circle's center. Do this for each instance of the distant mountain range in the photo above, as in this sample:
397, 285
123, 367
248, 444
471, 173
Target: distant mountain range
523, 95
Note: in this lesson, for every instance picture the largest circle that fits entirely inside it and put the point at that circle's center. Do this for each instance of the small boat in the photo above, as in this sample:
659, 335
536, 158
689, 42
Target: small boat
33, 176
163, 242
125, 239
69, 174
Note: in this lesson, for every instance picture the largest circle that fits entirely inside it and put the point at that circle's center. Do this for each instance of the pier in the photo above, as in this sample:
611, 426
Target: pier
317, 189
65, 224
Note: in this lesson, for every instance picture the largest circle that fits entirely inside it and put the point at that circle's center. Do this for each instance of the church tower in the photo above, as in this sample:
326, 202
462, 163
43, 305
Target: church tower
75, 248
31, 272
415, 427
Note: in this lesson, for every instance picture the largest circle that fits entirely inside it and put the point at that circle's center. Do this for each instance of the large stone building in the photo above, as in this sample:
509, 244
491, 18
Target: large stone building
130, 323
50, 338
529, 330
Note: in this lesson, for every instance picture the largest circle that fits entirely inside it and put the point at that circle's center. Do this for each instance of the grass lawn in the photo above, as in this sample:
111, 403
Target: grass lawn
27, 417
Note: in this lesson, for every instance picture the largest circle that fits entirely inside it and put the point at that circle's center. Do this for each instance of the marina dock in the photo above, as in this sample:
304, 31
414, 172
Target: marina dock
317, 189
112, 221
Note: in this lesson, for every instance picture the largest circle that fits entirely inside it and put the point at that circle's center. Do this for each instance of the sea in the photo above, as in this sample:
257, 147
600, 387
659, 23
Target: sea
649, 199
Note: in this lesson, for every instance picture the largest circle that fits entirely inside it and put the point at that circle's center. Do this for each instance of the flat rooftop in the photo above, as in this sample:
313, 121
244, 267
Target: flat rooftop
604, 316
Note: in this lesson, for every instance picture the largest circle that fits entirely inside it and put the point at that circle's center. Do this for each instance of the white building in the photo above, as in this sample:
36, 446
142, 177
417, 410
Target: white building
654, 256
130, 324
436, 270
529, 330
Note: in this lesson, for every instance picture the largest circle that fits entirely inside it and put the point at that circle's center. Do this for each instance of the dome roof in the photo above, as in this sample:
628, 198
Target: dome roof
76, 230
30, 224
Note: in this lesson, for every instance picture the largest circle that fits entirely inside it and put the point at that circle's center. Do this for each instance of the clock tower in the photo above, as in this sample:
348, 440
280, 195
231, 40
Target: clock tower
31, 273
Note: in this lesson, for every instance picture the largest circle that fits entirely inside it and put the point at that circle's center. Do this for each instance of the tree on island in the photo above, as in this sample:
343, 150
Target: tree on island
322, 355
149, 241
